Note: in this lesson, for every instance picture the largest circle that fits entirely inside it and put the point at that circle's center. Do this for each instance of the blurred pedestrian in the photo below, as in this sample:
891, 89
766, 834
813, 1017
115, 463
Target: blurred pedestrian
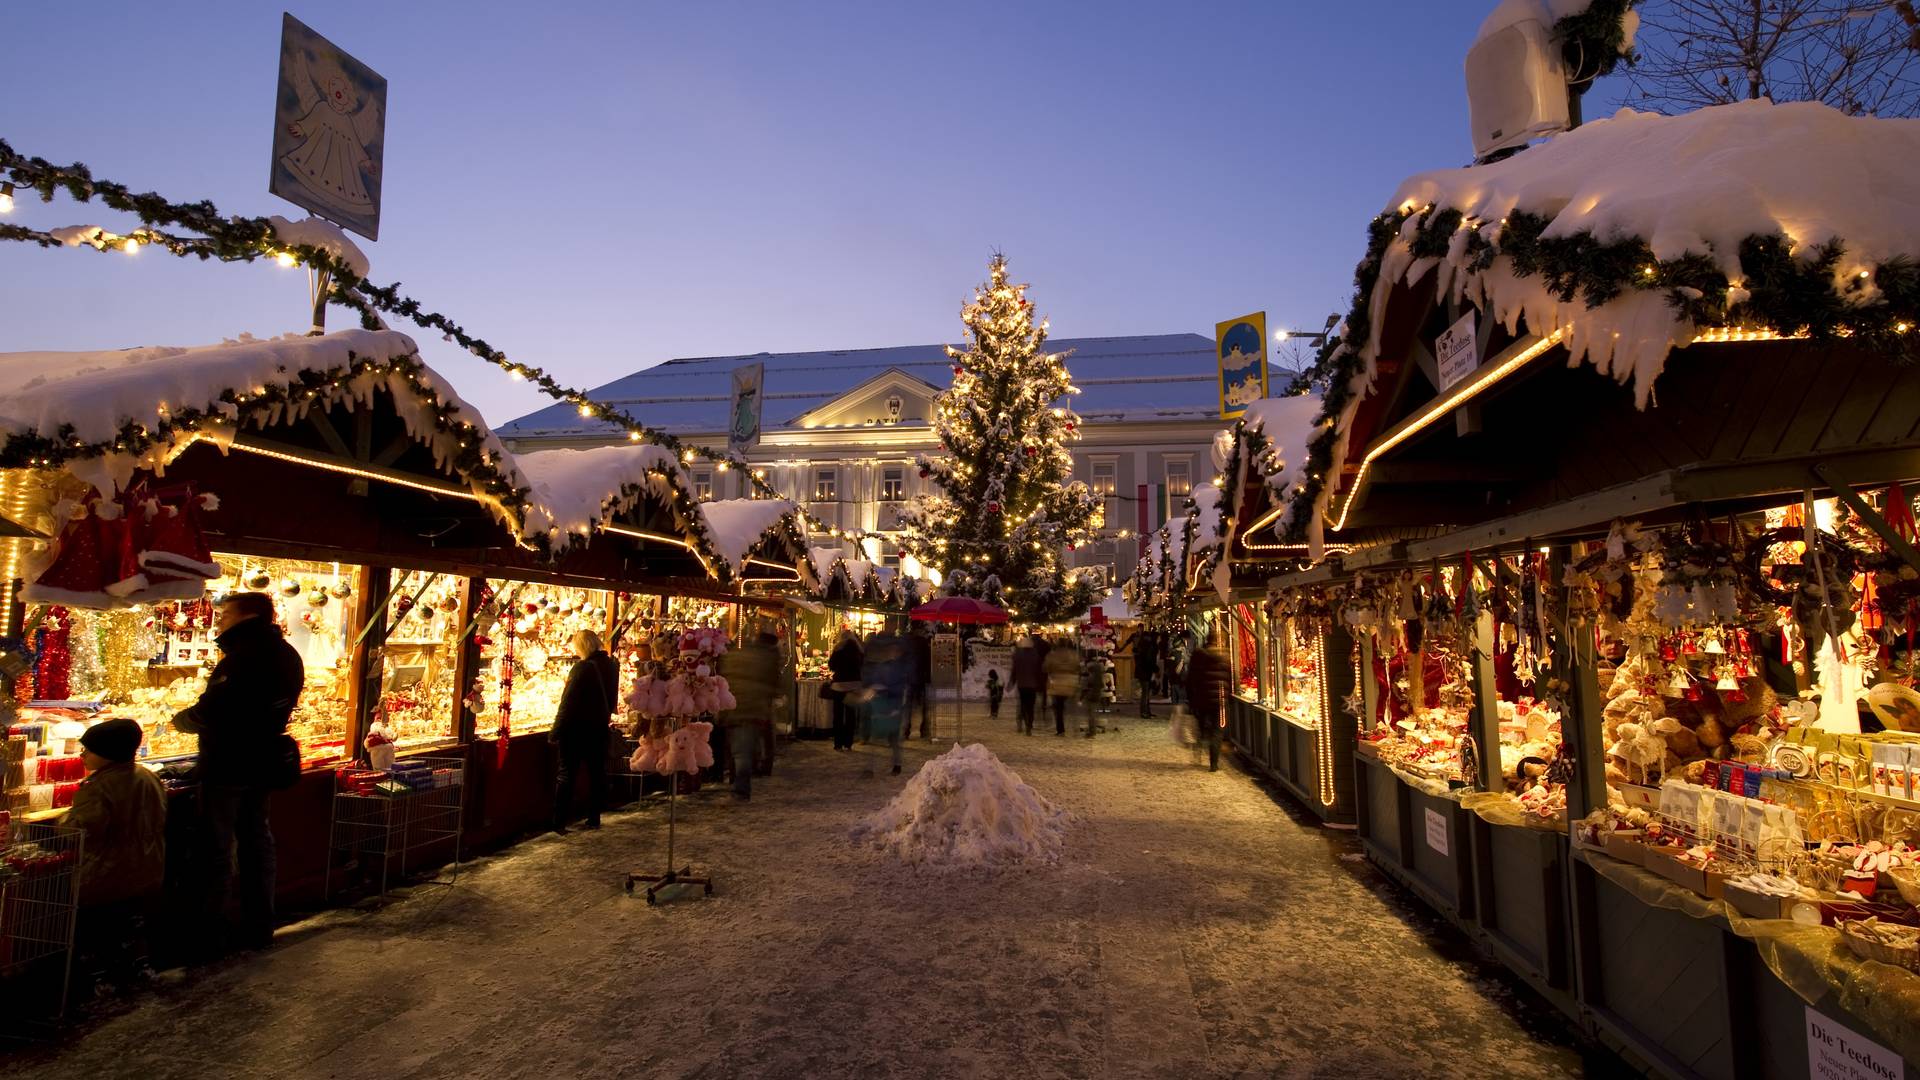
1207, 684
1146, 663
1029, 678
843, 669
753, 677
922, 645
887, 677
1062, 665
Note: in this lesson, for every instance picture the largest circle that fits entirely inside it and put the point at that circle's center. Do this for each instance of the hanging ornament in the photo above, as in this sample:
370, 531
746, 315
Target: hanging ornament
289, 587
259, 580
403, 605
449, 603
341, 590
924, 473
317, 598
993, 506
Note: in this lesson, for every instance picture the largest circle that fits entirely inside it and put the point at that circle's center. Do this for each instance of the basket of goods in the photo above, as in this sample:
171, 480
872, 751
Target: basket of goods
1889, 943
1907, 880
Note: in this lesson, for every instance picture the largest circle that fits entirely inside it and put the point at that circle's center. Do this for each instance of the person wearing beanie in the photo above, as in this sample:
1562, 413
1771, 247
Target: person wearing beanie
122, 812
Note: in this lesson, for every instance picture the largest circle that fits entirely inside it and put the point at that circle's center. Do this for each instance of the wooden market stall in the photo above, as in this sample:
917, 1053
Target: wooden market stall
1655, 478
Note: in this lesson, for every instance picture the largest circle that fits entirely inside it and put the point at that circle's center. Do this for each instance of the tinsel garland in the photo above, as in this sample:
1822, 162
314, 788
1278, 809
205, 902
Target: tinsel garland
51, 674
86, 675
240, 239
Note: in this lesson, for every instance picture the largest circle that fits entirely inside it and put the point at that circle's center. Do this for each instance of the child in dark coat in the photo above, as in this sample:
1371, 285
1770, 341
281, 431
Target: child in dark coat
994, 692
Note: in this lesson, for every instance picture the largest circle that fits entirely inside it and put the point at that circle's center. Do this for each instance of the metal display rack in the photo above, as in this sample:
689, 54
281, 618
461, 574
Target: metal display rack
39, 897
397, 826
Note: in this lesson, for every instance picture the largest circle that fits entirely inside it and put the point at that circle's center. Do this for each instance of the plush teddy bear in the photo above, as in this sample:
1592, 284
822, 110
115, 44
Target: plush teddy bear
702, 744
683, 750
1681, 740
1748, 748
646, 755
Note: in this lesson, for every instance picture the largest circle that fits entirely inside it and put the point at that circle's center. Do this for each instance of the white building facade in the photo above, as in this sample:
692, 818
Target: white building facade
841, 430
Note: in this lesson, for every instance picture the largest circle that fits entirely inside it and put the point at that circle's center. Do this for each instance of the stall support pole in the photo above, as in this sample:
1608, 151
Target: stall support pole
370, 591
1369, 690
1486, 706
1578, 663
467, 664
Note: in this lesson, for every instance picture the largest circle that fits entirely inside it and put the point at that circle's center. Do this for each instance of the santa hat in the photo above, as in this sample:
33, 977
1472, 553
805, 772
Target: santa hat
175, 546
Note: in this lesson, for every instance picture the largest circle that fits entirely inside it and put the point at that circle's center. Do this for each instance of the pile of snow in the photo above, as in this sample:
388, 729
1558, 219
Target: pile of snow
967, 809
1700, 183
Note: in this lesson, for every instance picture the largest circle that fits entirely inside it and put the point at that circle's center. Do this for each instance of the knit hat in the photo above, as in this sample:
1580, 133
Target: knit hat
115, 740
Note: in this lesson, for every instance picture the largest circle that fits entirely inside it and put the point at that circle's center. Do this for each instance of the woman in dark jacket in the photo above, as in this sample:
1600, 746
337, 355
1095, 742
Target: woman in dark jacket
1028, 678
1207, 685
843, 665
579, 732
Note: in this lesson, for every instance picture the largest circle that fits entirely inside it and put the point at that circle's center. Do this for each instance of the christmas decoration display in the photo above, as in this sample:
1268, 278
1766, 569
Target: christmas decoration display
526, 650
1007, 503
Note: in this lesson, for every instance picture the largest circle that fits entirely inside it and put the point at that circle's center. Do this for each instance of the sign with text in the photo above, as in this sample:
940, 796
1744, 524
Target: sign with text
982, 659
1454, 352
1837, 1052
1242, 345
1436, 830
329, 131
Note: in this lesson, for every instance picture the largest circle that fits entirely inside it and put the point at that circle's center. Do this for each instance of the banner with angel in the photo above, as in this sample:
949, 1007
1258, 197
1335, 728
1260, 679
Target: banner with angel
329, 131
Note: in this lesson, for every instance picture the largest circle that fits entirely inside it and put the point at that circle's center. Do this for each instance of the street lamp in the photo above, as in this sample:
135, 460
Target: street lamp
1318, 337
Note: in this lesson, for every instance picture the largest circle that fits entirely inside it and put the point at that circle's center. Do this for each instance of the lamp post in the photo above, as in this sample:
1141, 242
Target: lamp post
1317, 338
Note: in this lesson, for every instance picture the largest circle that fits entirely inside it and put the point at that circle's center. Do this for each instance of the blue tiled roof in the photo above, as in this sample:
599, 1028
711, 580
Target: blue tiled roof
1167, 376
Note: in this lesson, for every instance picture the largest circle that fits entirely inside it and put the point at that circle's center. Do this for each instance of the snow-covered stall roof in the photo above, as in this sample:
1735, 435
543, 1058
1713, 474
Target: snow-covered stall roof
1698, 184
575, 490
1694, 184
1274, 438
736, 527
102, 415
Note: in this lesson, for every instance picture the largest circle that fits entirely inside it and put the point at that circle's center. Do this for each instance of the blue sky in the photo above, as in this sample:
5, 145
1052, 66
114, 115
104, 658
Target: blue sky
595, 188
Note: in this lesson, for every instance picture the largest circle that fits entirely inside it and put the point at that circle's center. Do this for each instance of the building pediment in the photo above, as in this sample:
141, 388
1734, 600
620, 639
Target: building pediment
892, 398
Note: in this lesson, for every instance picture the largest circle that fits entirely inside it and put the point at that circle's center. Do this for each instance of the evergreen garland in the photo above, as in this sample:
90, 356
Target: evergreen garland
241, 239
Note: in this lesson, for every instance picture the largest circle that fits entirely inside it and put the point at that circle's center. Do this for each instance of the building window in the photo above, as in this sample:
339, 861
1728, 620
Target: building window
893, 483
826, 485
703, 484
1179, 478
1104, 476
889, 553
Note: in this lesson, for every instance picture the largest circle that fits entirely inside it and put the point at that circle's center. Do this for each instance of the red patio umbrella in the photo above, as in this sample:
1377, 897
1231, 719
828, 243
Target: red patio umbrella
958, 609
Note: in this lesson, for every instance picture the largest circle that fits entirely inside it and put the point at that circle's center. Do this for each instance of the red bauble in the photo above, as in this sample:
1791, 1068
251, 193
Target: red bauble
1069, 425
993, 508
958, 370
1031, 450
924, 473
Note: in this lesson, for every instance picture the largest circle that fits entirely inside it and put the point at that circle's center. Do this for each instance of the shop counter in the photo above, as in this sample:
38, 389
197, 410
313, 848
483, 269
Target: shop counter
1289, 753
1418, 837
1684, 987
1520, 892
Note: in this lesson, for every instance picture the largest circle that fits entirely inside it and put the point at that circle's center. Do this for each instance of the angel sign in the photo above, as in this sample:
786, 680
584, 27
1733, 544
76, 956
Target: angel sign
329, 131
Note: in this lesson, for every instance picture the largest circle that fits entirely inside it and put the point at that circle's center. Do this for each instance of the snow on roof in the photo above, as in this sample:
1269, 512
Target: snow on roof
319, 233
1145, 377
575, 490
1206, 518
1288, 425
736, 526
1699, 183
823, 560
1114, 606
92, 396
1547, 12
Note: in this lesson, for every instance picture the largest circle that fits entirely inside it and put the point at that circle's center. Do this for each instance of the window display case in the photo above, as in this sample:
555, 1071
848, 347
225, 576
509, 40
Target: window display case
526, 651
148, 662
426, 626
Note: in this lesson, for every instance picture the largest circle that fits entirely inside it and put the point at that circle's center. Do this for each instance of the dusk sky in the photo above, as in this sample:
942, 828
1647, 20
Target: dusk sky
594, 189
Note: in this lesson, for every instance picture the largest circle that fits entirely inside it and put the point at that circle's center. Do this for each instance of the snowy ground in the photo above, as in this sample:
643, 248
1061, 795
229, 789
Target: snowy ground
1193, 927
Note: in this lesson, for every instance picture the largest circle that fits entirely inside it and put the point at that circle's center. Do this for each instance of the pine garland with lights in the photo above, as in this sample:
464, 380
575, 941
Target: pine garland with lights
1007, 504
1781, 289
242, 239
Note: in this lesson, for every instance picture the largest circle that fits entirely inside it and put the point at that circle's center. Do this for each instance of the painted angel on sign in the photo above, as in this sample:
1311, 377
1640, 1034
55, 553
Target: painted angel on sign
329, 131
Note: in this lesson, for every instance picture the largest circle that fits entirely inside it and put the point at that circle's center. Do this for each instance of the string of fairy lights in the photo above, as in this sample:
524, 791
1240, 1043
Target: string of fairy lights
198, 230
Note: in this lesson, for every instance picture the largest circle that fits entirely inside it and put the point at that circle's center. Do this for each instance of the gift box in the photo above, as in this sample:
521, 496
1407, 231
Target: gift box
1625, 845
1708, 883
445, 777
63, 794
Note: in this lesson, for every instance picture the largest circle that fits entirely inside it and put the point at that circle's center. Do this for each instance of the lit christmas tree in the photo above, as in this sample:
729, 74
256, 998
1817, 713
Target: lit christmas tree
1007, 507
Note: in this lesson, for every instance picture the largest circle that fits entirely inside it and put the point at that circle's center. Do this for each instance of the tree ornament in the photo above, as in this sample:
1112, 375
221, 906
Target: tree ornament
924, 473
993, 506
259, 580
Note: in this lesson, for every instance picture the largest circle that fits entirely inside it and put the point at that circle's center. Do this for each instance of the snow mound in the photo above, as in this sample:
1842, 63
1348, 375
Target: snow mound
964, 809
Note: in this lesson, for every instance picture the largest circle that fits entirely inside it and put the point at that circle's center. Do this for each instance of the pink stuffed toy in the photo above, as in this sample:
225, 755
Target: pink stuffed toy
703, 744
646, 755
685, 747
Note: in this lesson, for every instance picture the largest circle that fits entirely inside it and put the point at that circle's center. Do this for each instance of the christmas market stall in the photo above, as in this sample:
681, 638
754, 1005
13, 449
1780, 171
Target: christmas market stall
1621, 432
1293, 662
302, 467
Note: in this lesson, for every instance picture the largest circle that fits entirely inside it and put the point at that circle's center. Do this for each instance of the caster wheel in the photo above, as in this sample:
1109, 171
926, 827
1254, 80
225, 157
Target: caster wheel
629, 886
650, 902
709, 889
